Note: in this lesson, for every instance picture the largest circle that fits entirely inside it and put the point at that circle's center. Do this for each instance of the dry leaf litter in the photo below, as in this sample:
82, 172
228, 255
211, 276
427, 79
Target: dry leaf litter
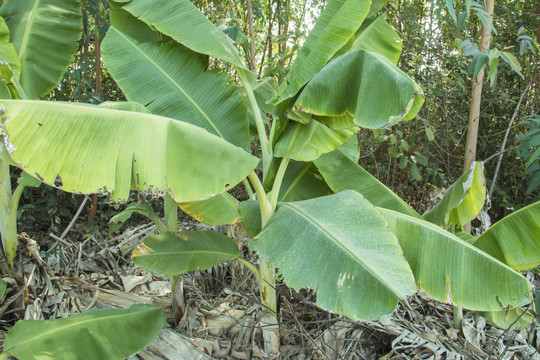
220, 317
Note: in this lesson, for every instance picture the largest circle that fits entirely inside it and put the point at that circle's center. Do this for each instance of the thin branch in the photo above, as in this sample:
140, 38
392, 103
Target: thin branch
506, 138
74, 218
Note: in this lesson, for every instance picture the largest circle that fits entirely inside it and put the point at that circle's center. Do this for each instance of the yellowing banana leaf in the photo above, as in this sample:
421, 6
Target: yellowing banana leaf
87, 149
379, 37
170, 255
104, 334
183, 22
462, 201
340, 246
219, 210
342, 173
453, 271
176, 83
7, 50
365, 86
45, 35
337, 24
515, 239
306, 142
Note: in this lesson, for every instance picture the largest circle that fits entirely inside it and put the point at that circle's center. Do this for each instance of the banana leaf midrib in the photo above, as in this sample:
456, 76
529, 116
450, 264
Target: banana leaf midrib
27, 30
172, 81
351, 254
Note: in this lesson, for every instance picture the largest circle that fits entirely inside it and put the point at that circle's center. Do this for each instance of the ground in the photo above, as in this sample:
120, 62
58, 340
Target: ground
220, 314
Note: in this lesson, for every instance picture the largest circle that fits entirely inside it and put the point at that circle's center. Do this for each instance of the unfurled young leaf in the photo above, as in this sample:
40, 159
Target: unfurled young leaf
462, 201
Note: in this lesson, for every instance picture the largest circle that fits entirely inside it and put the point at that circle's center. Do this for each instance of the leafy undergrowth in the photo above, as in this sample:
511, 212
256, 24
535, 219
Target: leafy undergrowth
221, 309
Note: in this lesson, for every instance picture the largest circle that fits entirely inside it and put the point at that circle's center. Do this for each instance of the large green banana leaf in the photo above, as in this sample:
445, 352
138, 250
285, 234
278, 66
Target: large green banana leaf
176, 84
169, 254
379, 37
334, 28
515, 239
183, 22
7, 50
364, 86
45, 35
462, 201
340, 246
342, 173
451, 270
105, 334
306, 142
87, 149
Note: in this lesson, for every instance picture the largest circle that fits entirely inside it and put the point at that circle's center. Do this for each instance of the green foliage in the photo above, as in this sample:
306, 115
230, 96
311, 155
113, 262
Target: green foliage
529, 150
171, 254
361, 248
106, 334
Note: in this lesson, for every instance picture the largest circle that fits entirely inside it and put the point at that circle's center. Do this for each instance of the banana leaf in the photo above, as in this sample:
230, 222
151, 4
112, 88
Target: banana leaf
451, 270
176, 83
45, 34
340, 246
221, 209
170, 254
364, 86
342, 173
462, 201
88, 149
182, 21
515, 239
104, 334
306, 142
334, 28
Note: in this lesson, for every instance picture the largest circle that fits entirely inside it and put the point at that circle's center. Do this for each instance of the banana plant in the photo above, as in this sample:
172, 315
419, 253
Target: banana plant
317, 218
34, 57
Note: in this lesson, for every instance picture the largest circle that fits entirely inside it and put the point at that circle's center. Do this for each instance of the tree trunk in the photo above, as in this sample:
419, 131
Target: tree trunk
252, 37
283, 49
476, 97
99, 91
